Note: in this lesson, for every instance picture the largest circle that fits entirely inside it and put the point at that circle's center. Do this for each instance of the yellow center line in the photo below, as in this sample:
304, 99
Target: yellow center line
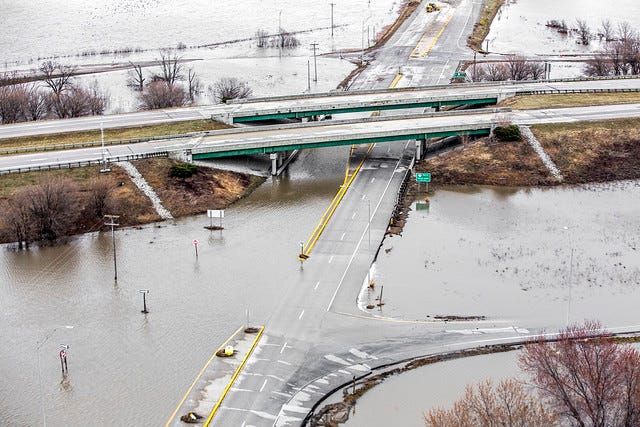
206, 365
435, 40
348, 179
233, 378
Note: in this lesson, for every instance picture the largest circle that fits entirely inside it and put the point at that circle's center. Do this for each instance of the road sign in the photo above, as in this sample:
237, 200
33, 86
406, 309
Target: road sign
195, 242
215, 213
423, 177
459, 75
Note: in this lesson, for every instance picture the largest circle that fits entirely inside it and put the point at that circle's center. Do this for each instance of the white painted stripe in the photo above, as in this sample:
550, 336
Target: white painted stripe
342, 237
283, 347
373, 179
316, 286
353, 216
330, 259
263, 385
301, 314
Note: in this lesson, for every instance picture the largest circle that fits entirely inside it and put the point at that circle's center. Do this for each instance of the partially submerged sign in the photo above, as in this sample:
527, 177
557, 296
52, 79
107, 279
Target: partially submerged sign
215, 213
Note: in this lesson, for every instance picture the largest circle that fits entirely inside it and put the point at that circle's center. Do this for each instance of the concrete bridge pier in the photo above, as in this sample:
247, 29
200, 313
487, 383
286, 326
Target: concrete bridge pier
421, 148
276, 161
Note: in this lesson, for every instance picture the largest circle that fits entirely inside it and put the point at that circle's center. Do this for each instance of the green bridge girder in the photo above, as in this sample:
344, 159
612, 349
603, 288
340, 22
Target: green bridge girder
301, 114
356, 141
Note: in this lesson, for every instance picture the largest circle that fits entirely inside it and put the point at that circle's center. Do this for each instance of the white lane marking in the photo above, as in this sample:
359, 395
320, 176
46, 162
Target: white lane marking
263, 384
330, 259
373, 179
353, 255
353, 216
244, 423
301, 314
364, 196
342, 237
283, 347
316, 286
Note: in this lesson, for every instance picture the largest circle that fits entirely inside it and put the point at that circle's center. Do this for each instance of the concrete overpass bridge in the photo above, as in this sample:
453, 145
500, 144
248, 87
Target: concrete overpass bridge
275, 140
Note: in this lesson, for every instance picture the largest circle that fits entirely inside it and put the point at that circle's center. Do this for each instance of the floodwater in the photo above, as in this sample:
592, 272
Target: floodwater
520, 257
126, 368
520, 27
28, 36
402, 400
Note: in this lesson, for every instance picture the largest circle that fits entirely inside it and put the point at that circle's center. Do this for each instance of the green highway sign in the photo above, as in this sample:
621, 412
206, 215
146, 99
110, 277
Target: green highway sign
423, 177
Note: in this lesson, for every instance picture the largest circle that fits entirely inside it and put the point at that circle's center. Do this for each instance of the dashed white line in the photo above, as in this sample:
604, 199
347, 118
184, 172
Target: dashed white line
342, 237
330, 259
301, 314
353, 216
373, 179
364, 196
316, 286
263, 384
283, 347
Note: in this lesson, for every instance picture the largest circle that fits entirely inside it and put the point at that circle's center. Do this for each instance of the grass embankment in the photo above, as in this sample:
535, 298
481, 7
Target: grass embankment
584, 152
111, 134
533, 102
207, 189
482, 27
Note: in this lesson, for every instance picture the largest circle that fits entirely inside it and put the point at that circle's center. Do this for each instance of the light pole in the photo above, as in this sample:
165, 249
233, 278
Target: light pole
332, 4
315, 62
104, 158
144, 293
570, 275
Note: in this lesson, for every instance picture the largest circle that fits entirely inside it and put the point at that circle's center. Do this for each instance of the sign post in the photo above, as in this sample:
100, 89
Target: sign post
423, 177
215, 213
195, 245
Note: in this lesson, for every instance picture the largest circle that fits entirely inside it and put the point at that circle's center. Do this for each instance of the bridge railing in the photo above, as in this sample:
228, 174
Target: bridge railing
82, 163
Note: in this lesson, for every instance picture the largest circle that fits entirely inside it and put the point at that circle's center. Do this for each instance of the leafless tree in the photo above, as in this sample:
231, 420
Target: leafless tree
507, 404
160, 94
99, 196
496, 72
599, 65
517, 67
13, 100
584, 32
16, 222
53, 207
228, 88
586, 377
194, 85
135, 77
57, 76
262, 37
36, 106
170, 67
76, 102
607, 30
625, 31
535, 70
285, 40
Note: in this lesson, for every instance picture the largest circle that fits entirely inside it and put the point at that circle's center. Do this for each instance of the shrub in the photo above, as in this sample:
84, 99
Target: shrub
183, 170
507, 133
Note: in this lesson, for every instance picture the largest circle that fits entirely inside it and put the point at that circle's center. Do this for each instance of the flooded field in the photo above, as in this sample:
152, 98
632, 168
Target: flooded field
525, 257
520, 27
78, 32
402, 400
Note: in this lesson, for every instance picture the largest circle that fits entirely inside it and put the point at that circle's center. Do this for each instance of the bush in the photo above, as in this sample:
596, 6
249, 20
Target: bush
507, 133
183, 170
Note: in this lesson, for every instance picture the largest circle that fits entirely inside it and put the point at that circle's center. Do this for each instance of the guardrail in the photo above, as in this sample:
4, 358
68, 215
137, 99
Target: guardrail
82, 163
89, 144
569, 91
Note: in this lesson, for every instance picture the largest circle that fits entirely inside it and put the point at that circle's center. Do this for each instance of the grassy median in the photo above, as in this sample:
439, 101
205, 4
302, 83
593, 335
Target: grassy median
533, 102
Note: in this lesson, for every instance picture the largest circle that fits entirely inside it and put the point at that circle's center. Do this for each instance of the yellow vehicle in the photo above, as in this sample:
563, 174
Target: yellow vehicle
432, 7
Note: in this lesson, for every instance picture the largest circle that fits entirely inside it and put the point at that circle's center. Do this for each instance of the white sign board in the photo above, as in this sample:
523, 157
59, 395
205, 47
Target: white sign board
214, 213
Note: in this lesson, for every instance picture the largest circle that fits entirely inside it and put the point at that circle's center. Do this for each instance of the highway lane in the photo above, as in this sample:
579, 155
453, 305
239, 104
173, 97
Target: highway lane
311, 133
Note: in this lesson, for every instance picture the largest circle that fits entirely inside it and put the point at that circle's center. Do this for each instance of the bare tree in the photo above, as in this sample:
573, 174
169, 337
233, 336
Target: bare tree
161, 94
57, 76
625, 31
36, 107
517, 67
535, 70
170, 67
135, 77
228, 88
99, 196
507, 404
584, 32
13, 100
598, 65
76, 102
607, 30
53, 207
496, 72
194, 86
585, 377
16, 219
262, 37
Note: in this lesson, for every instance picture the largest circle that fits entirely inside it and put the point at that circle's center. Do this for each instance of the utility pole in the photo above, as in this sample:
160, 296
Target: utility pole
113, 223
308, 77
315, 63
104, 158
332, 4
